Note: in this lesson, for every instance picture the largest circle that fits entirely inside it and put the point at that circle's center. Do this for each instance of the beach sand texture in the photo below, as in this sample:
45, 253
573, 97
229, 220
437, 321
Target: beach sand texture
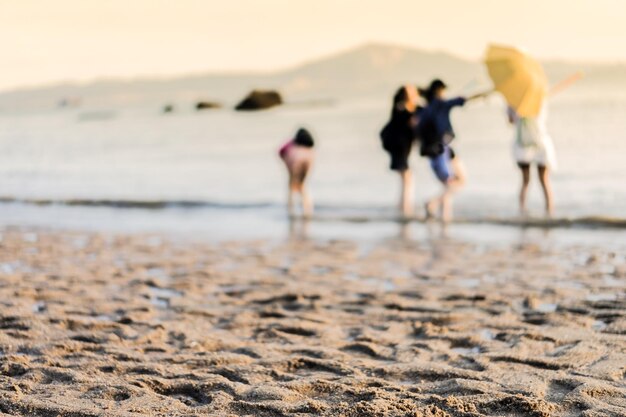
99, 325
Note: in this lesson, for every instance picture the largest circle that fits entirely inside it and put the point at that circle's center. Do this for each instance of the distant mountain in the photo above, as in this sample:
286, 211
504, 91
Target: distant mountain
376, 68
372, 70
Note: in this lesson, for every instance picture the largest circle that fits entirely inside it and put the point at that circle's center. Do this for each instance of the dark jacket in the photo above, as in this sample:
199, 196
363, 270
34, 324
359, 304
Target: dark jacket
434, 125
398, 133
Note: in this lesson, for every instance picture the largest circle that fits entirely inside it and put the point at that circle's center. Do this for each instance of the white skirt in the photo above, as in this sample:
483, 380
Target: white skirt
542, 153
532, 144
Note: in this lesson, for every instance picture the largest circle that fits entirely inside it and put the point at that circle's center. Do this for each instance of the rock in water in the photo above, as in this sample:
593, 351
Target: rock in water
259, 100
204, 105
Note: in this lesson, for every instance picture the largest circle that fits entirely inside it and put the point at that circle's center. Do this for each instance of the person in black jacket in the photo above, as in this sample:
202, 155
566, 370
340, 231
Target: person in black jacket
398, 137
435, 133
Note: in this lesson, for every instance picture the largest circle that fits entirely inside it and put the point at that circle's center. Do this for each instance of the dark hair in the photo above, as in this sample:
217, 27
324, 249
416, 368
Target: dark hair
304, 138
400, 97
430, 92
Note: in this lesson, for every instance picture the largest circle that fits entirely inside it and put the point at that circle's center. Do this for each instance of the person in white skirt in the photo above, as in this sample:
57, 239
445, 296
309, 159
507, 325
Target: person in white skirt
533, 146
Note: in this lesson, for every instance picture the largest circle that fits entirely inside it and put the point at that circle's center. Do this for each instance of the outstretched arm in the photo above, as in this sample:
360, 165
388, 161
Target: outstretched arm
460, 101
563, 84
479, 95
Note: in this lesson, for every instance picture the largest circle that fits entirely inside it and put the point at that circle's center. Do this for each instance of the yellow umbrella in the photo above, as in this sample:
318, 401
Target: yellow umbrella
518, 77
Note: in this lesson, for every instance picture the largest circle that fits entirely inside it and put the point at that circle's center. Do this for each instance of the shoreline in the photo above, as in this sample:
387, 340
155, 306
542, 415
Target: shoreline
588, 221
109, 324
217, 225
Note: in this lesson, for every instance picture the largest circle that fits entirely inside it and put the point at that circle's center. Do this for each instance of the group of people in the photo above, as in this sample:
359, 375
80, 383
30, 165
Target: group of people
422, 117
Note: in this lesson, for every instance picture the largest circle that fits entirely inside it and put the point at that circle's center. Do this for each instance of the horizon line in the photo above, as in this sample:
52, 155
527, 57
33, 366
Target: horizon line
287, 68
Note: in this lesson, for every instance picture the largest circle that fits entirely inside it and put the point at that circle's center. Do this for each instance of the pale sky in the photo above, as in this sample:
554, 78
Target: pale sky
45, 41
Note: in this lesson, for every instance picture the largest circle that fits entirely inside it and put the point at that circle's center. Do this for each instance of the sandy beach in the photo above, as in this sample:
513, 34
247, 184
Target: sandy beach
144, 325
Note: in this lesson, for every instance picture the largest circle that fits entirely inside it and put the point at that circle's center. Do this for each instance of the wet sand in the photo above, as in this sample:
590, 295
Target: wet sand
101, 325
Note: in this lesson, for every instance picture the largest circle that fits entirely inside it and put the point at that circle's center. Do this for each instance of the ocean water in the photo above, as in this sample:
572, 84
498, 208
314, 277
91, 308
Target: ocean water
219, 170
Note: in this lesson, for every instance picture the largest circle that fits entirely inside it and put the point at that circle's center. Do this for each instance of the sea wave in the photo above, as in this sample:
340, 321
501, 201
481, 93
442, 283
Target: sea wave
327, 213
133, 204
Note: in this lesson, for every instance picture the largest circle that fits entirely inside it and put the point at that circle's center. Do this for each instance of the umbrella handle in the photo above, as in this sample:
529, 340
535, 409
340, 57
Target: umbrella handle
565, 83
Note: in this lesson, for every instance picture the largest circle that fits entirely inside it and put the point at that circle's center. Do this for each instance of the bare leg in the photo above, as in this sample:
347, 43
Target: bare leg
524, 189
446, 205
459, 173
297, 175
452, 186
290, 196
544, 178
432, 206
406, 195
307, 202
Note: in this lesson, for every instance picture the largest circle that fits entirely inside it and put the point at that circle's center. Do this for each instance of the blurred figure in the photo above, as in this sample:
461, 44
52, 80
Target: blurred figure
298, 229
533, 145
436, 133
298, 156
397, 138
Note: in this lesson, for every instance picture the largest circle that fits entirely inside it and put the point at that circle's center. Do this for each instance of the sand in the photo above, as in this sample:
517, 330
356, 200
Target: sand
99, 325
